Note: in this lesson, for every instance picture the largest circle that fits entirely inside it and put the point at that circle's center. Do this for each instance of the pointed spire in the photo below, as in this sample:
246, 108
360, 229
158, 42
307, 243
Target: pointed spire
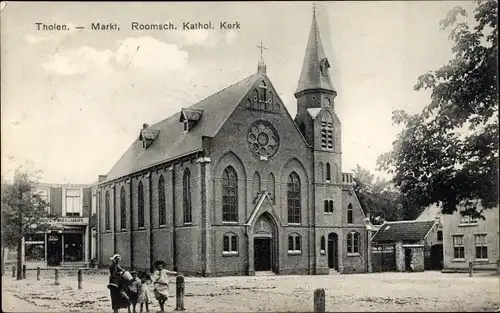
315, 74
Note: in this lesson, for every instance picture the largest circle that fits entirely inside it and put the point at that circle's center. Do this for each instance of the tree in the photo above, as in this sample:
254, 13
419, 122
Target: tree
381, 199
448, 153
23, 213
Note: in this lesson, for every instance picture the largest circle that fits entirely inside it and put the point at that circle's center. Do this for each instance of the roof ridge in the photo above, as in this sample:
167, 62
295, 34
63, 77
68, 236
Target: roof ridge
408, 221
202, 100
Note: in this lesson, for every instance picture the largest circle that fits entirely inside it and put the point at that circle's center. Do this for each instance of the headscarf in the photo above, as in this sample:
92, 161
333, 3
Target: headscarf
113, 258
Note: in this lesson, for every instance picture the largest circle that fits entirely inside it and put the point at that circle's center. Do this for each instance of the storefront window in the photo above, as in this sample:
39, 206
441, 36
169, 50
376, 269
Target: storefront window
34, 247
73, 247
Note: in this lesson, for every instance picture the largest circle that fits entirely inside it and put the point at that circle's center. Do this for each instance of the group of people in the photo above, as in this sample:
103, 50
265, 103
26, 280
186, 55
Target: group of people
131, 288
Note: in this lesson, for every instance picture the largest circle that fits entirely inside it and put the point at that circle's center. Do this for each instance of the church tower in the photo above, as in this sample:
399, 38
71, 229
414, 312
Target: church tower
315, 95
321, 128
315, 89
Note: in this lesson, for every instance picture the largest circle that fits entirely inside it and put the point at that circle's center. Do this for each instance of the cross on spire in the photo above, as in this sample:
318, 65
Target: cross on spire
262, 48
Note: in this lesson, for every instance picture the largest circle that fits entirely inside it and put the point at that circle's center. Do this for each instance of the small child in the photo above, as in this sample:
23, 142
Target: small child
135, 289
144, 296
160, 282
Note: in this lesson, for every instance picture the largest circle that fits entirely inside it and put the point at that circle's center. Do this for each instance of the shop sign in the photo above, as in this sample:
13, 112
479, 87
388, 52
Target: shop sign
52, 238
73, 220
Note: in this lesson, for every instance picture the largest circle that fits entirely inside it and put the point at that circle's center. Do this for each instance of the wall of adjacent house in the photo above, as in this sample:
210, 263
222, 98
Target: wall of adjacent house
453, 225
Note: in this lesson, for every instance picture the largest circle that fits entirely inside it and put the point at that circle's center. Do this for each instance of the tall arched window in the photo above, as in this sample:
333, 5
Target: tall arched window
269, 101
162, 206
321, 171
270, 186
123, 209
140, 205
255, 185
107, 222
328, 206
349, 214
353, 242
327, 132
186, 196
328, 172
230, 195
293, 197
262, 94
322, 244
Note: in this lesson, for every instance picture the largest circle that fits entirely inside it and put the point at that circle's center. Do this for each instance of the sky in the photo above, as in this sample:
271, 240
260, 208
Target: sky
73, 101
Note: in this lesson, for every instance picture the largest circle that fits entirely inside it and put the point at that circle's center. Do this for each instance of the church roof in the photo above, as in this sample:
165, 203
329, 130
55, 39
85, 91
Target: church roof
172, 142
315, 73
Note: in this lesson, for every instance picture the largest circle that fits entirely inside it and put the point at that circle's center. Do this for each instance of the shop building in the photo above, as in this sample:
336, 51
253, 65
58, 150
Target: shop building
68, 241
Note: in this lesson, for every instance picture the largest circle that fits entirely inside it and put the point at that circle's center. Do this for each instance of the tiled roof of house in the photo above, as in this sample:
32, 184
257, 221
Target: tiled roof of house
172, 142
403, 231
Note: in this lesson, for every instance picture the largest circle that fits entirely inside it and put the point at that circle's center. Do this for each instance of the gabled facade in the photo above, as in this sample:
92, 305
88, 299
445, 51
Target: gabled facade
233, 185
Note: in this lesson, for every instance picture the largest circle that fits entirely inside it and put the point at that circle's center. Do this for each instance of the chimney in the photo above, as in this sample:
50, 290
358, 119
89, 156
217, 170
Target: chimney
102, 178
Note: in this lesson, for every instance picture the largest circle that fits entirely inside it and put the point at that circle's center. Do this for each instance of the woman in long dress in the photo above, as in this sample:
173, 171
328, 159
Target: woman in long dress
118, 291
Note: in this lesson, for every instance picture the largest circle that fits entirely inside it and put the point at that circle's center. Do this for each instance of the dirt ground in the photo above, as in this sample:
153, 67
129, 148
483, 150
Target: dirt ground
427, 291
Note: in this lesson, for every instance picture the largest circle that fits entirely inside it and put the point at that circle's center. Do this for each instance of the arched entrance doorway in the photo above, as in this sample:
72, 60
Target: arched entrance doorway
333, 255
265, 247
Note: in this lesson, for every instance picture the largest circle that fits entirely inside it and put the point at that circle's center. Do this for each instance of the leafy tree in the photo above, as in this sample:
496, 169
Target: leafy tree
448, 153
381, 199
23, 213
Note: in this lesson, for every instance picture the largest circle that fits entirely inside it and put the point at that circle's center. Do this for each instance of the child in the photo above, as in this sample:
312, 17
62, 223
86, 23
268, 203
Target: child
144, 295
160, 282
135, 289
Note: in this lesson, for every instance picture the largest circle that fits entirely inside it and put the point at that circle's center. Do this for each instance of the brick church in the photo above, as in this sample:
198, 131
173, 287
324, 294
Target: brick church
233, 185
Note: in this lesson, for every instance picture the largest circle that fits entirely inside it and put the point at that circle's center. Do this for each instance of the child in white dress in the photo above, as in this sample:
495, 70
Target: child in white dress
161, 282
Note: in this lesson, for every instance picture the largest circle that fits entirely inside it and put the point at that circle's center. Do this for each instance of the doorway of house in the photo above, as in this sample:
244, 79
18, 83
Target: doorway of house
333, 251
262, 254
437, 257
408, 256
73, 247
54, 249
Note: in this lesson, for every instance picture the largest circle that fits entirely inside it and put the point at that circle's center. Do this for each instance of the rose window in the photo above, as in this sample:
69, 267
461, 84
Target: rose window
263, 139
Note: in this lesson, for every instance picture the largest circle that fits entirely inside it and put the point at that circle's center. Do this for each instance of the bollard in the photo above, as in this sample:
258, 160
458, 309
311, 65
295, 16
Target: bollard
38, 273
56, 271
179, 293
319, 300
80, 279
14, 271
24, 271
471, 266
